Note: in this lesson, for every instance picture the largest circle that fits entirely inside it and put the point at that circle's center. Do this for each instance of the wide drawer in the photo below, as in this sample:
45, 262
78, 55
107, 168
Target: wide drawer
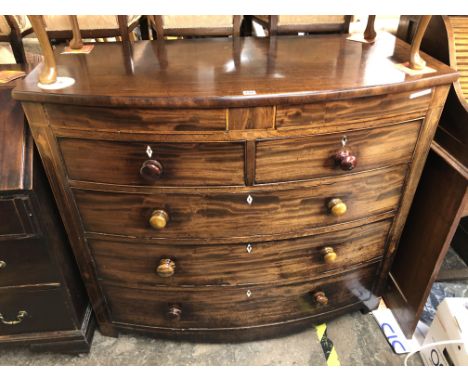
201, 214
310, 157
357, 110
25, 261
229, 307
134, 120
136, 264
45, 311
189, 164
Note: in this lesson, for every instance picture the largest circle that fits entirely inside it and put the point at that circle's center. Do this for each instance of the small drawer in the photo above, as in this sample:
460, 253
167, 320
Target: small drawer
16, 218
280, 160
44, 310
188, 214
134, 120
366, 109
154, 163
294, 260
24, 262
230, 307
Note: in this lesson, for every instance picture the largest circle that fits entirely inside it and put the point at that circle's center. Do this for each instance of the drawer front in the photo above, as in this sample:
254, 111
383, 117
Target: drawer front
280, 160
366, 109
189, 164
229, 307
136, 264
16, 218
24, 262
45, 311
100, 119
226, 214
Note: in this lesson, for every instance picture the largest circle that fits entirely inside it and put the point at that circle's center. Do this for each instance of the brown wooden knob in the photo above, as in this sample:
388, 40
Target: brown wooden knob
329, 255
151, 170
337, 207
174, 312
345, 159
159, 219
320, 298
166, 268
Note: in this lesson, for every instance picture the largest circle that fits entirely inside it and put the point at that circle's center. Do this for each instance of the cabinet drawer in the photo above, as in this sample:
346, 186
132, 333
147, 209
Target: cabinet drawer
366, 109
24, 262
133, 120
310, 157
16, 218
189, 164
294, 260
229, 307
45, 311
228, 214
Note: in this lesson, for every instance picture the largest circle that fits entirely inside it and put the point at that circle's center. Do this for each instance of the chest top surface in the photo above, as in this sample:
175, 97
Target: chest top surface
234, 72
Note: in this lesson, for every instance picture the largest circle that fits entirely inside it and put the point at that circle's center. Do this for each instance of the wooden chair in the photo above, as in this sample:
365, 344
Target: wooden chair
121, 27
287, 24
12, 30
195, 26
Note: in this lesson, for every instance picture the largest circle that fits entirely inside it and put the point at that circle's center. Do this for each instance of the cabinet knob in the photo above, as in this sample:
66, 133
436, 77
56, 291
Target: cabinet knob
174, 312
345, 159
337, 207
329, 255
166, 268
159, 219
2, 264
320, 298
151, 170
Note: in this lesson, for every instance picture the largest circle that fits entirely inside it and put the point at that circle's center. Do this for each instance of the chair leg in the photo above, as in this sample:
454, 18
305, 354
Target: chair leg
144, 28
17, 47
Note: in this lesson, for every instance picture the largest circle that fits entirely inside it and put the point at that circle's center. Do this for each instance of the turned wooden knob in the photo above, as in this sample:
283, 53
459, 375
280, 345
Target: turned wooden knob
151, 170
345, 159
337, 207
166, 268
174, 312
159, 219
320, 298
329, 255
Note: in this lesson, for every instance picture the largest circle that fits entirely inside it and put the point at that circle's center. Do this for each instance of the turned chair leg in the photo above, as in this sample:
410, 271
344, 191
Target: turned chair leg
49, 71
416, 62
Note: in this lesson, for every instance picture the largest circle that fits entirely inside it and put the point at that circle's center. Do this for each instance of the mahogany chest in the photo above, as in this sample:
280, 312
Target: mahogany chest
235, 189
43, 303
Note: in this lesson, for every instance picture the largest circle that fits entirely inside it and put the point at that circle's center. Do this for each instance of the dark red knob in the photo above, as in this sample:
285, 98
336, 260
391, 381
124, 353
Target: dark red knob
151, 170
174, 312
345, 159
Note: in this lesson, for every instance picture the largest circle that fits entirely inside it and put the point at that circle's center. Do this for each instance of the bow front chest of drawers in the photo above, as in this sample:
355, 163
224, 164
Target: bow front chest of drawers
235, 189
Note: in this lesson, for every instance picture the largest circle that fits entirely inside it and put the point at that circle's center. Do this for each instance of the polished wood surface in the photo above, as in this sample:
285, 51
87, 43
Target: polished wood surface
279, 160
257, 263
182, 163
222, 215
245, 207
234, 308
165, 73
